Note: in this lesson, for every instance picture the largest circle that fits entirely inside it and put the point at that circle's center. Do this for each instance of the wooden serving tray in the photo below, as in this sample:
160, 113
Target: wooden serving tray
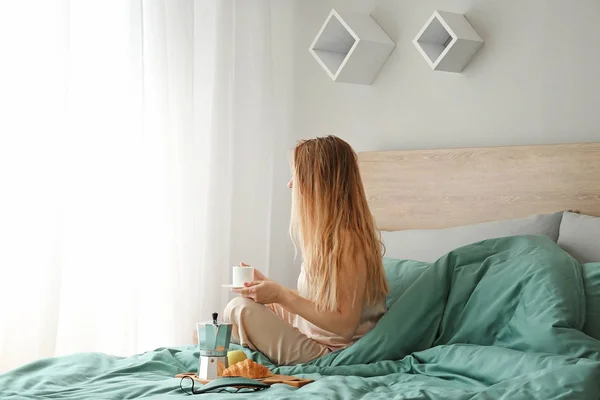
271, 380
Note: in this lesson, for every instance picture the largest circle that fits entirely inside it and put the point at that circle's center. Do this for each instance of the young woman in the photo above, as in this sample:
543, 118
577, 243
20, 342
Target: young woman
342, 285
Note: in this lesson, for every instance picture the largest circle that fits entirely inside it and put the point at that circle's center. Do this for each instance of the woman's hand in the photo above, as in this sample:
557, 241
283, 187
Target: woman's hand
258, 276
263, 292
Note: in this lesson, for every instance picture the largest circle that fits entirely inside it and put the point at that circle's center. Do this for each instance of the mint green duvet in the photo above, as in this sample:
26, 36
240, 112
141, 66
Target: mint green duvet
510, 318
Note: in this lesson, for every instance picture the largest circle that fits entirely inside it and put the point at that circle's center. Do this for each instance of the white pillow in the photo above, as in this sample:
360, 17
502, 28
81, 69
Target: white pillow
580, 237
430, 244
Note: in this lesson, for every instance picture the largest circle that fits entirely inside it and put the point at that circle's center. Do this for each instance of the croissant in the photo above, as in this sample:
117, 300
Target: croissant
248, 369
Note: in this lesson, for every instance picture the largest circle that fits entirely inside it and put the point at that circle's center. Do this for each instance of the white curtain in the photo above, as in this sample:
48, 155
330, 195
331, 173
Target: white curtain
136, 166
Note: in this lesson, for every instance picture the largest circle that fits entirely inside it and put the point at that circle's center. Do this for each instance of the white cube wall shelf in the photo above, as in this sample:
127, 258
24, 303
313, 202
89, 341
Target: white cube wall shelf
447, 41
351, 49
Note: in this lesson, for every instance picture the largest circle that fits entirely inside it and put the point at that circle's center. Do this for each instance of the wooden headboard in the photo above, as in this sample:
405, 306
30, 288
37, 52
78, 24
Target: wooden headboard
430, 189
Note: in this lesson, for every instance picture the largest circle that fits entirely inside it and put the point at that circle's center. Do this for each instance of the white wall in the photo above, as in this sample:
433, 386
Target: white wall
536, 80
282, 266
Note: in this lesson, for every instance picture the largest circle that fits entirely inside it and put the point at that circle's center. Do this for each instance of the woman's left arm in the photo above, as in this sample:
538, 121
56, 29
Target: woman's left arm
343, 322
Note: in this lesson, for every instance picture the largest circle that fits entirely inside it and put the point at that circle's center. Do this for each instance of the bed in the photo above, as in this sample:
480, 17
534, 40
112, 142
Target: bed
493, 258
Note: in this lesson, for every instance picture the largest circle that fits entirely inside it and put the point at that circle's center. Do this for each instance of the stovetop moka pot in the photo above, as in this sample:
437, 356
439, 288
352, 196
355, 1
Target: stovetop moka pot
213, 344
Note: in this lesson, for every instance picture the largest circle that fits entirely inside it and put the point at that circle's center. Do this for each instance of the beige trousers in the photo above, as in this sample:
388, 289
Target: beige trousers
270, 329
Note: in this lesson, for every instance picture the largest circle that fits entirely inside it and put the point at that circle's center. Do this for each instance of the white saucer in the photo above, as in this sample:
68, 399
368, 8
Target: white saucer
230, 286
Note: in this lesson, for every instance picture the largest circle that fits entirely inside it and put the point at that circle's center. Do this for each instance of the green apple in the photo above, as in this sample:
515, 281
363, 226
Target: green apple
235, 356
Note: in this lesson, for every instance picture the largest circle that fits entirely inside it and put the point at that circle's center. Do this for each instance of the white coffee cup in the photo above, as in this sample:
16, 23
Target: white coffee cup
241, 275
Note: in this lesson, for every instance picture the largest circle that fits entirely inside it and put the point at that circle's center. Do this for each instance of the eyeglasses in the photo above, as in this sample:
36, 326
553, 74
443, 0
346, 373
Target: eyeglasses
219, 385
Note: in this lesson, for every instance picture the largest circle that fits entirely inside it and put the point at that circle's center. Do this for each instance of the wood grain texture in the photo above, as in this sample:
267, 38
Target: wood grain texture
431, 189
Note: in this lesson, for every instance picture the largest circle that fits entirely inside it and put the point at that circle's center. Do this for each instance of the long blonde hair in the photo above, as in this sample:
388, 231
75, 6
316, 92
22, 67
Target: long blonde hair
330, 215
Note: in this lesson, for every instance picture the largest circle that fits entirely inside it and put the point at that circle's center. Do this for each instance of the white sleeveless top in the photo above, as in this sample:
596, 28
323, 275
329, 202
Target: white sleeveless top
370, 316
